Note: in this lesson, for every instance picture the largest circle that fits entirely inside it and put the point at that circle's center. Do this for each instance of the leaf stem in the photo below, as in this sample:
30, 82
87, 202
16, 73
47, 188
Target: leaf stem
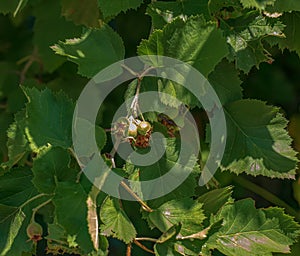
154, 240
143, 246
134, 195
34, 210
266, 195
32, 199
78, 162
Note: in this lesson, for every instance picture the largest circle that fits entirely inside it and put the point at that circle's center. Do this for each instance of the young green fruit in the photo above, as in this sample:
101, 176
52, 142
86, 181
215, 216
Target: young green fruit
143, 127
34, 231
132, 130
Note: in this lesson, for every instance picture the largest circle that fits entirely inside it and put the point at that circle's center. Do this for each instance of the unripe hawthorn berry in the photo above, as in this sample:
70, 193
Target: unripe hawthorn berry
34, 231
132, 130
143, 127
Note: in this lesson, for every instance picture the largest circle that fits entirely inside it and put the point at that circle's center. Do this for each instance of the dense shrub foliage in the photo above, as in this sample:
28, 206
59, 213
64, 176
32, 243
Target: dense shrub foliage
247, 49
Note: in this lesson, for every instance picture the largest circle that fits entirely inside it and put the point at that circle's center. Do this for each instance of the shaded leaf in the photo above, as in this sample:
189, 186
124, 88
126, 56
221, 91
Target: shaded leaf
166, 242
52, 166
165, 12
82, 12
16, 187
101, 47
291, 31
17, 142
18, 197
185, 211
50, 27
284, 6
226, 82
287, 223
8, 6
163, 165
257, 142
14, 218
73, 196
83, 132
114, 7
49, 118
115, 221
259, 4
244, 35
213, 200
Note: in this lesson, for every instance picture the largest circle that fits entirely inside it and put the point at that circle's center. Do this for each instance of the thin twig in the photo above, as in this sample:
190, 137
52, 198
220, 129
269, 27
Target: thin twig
28, 163
30, 60
128, 250
142, 247
3, 106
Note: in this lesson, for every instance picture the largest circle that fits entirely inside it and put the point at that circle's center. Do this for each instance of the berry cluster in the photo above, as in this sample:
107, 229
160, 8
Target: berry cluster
135, 131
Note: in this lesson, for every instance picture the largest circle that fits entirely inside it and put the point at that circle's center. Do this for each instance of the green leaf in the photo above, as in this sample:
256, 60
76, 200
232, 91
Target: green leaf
5, 121
71, 209
84, 131
17, 142
287, 223
162, 166
226, 82
165, 12
225, 9
59, 241
257, 142
115, 221
166, 243
184, 211
113, 7
13, 231
291, 31
259, 4
284, 6
57, 234
247, 230
244, 35
50, 167
18, 197
16, 186
50, 27
81, 12
10, 90
49, 118
101, 47
178, 91
213, 200
195, 41
14, 218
